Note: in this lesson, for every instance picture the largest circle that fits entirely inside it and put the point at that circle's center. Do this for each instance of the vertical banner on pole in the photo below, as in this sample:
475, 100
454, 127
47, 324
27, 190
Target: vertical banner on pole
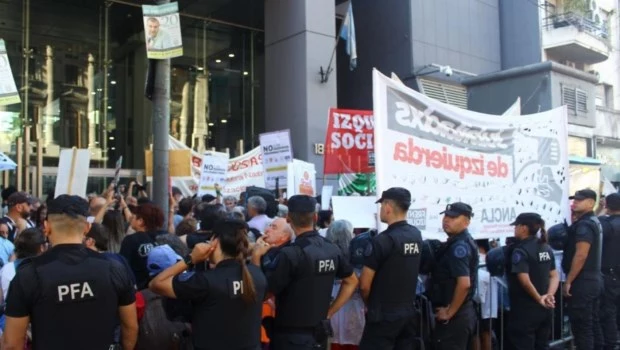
277, 154
162, 28
214, 168
72, 174
8, 90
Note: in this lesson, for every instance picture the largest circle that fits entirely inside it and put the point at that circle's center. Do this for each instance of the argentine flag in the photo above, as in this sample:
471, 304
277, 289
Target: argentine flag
347, 33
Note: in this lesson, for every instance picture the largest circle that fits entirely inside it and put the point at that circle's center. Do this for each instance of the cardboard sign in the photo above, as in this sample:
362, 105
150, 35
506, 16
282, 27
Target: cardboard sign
72, 176
179, 163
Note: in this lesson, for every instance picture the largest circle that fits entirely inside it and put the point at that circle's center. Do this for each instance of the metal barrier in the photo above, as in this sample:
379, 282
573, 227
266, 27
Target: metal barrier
560, 328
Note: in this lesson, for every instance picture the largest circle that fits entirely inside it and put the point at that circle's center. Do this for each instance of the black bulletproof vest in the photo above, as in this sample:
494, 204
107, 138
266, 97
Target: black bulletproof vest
611, 242
70, 292
304, 302
592, 266
393, 290
223, 320
539, 259
442, 284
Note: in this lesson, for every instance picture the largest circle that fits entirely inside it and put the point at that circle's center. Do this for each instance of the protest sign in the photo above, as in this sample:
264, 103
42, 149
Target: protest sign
349, 142
277, 153
8, 90
162, 29
500, 165
214, 166
301, 178
72, 174
359, 211
243, 171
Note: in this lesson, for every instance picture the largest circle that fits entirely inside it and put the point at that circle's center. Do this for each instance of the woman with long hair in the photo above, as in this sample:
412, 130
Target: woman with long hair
227, 299
348, 323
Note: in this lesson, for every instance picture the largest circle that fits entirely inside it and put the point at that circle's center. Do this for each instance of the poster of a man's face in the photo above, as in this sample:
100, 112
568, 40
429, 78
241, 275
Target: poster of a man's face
162, 31
153, 27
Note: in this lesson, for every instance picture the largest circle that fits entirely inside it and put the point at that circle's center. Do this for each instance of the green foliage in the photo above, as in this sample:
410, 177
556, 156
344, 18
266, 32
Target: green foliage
580, 7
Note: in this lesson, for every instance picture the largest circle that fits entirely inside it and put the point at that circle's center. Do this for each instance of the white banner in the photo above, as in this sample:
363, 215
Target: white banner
72, 174
162, 29
277, 153
243, 171
500, 165
301, 178
8, 90
214, 167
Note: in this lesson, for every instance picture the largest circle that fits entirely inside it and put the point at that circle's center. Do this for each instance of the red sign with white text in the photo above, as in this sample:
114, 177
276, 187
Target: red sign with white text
349, 143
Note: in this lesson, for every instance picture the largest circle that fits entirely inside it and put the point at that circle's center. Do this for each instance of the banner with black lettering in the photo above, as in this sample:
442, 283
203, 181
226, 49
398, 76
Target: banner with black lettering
500, 165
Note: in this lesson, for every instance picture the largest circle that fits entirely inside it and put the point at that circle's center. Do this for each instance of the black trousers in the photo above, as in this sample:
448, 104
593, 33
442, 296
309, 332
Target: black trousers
529, 327
458, 332
294, 341
608, 314
400, 334
583, 312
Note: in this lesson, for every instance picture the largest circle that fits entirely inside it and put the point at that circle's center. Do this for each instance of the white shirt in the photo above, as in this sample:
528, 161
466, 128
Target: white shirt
487, 293
6, 276
259, 222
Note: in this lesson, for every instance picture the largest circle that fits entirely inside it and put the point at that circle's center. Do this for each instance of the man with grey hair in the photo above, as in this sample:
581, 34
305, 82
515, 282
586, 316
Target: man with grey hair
257, 206
282, 211
230, 202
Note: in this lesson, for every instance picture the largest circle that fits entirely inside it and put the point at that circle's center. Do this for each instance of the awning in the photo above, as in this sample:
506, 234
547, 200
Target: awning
583, 160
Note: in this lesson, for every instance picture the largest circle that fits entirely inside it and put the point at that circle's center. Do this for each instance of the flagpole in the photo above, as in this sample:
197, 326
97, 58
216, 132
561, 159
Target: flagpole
325, 74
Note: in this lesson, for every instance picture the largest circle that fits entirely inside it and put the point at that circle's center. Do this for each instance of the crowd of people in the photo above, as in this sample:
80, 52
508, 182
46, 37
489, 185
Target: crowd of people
113, 271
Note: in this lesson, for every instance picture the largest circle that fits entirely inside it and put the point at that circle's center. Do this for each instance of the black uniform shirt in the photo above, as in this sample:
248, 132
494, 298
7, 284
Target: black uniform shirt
610, 258
535, 259
222, 320
456, 258
584, 230
72, 295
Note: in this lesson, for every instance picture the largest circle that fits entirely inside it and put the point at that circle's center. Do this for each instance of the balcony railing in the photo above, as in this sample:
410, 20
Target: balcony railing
583, 24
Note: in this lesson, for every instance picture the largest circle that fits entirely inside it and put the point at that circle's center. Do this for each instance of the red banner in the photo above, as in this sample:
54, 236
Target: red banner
349, 143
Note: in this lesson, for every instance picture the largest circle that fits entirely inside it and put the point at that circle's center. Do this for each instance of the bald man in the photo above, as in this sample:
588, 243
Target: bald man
278, 233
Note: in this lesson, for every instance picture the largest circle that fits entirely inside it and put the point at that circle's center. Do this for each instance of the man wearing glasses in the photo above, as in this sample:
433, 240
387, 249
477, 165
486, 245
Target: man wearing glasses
453, 281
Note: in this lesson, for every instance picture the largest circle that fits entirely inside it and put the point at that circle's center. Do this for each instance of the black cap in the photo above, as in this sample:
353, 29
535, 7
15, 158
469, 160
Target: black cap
19, 198
73, 206
457, 209
527, 218
208, 198
584, 194
397, 194
612, 201
301, 204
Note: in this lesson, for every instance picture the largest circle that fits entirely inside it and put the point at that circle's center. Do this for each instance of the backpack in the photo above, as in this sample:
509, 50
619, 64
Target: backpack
155, 331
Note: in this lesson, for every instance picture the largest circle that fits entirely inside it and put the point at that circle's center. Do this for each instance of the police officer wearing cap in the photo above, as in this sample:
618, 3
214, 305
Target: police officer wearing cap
301, 276
610, 264
532, 283
70, 294
390, 275
453, 281
582, 264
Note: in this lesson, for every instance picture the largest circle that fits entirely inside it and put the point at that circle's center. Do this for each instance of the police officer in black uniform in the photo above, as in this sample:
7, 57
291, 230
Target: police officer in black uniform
71, 294
227, 299
453, 281
301, 276
532, 283
610, 263
390, 276
582, 264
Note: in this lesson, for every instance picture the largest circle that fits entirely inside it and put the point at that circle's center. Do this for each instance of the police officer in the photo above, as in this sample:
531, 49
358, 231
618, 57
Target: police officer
301, 276
532, 283
582, 264
71, 294
390, 275
228, 299
453, 281
610, 263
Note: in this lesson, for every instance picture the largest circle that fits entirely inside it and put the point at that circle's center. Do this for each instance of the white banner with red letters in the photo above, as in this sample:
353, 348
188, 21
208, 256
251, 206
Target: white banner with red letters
243, 171
500, 165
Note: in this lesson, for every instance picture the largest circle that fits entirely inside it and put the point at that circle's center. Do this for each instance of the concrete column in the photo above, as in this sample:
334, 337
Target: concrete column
299, 38
92, 123
49, 102
184, 112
